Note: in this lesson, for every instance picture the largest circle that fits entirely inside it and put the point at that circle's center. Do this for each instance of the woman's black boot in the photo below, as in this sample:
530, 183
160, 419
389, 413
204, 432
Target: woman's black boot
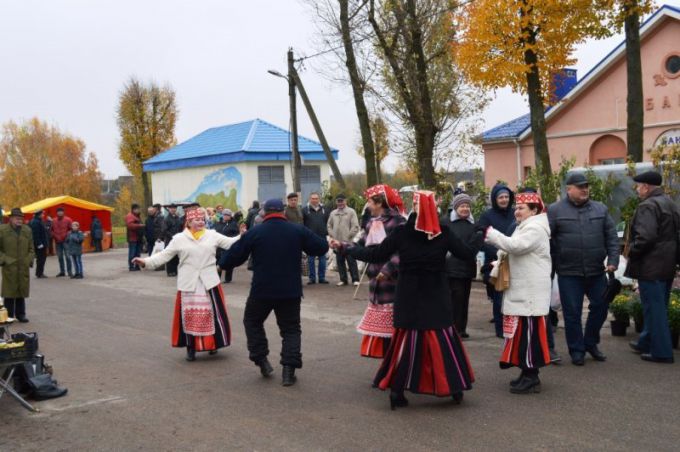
191, 354
397, 400
527, 385
516, 381
457, 397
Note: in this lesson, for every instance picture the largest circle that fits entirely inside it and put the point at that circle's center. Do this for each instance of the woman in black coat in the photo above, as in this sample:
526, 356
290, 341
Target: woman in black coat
426, 355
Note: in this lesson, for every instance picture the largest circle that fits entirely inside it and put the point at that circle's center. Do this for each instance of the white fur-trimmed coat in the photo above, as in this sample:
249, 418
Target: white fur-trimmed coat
196, 258
530, 265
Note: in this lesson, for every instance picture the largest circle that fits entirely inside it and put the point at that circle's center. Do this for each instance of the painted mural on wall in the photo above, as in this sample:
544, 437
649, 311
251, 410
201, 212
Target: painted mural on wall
219, 187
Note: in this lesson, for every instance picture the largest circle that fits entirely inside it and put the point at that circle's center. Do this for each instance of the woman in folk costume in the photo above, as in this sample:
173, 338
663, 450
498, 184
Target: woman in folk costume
200, 321
425, 354
377, 324
527, 300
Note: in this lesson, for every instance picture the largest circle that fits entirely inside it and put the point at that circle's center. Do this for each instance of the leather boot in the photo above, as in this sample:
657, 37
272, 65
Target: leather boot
191, 354
397, 400
527, 385
516, 381
288, 376
266, 368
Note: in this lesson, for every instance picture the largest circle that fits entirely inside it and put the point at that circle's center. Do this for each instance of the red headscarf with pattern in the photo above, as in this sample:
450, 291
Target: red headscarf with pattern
427, 220
530, 198
391, 195
192, 214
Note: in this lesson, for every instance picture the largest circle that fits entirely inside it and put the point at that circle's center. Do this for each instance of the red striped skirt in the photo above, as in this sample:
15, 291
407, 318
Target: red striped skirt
374, 346
426, 362
528, 348
222, 336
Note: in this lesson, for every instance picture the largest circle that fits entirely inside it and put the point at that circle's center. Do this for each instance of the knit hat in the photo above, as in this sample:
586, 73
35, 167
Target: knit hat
461, 199
228, 212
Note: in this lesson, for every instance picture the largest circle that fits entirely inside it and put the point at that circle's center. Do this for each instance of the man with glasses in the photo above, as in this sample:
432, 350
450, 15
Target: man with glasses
583, 235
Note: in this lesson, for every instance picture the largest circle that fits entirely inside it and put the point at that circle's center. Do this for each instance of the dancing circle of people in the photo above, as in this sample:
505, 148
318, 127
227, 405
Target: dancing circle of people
420, 269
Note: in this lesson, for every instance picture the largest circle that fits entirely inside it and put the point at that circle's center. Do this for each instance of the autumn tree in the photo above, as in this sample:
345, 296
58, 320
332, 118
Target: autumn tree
38, 161
524, 44
626, 14
381, 144
146, 118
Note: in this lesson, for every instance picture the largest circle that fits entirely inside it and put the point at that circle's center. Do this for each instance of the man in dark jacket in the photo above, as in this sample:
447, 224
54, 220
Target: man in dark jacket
135, 234
276, 246
97, 231
40, 243
500, 216
226, 225
461, 271
172, 224
315, 217
583, 235
148, 229
252, 213
652, 261
293, 212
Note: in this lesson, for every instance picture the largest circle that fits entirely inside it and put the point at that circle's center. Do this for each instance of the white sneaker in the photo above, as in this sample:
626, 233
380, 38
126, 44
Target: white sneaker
341, 284
355, 283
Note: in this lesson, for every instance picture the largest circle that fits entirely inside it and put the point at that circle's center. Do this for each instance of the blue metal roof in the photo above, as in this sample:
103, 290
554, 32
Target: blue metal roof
255, 140
511, 129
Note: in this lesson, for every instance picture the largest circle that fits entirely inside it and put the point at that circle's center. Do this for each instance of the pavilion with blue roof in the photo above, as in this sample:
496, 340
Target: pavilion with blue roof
235, 164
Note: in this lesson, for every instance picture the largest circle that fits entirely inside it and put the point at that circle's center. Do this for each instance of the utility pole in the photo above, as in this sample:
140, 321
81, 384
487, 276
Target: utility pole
297, 162
317, 128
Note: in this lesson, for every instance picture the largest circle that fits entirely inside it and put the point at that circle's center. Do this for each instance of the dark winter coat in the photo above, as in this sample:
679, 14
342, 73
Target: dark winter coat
423, 301
293, 214
457, 267
250, 218
383, 291
316, 219
39, 232
74, 243
135, 227
96, 229
172, 224
581, 238
16, 257
499, 219
653, 238
228, 228
276, 246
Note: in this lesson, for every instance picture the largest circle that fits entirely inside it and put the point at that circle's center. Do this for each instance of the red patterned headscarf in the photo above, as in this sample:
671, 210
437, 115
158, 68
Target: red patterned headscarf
192, 214
427, 220
391, 195
530, 198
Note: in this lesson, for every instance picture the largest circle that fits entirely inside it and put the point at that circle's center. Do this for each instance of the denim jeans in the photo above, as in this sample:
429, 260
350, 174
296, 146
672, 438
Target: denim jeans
134, 250
572, 291
312, 270
61, 256
656, 336
77, 263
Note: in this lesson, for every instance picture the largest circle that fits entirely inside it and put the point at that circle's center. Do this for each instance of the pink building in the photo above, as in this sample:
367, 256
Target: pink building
589, 122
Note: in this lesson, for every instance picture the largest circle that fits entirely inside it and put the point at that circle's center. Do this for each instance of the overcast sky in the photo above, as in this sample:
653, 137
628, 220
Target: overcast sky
65, 61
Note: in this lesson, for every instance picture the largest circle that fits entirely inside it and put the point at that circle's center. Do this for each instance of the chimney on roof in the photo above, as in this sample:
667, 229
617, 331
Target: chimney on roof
563, 82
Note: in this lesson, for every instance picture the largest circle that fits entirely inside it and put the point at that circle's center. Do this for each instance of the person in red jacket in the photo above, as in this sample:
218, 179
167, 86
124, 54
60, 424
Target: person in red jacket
135, 231
61, 226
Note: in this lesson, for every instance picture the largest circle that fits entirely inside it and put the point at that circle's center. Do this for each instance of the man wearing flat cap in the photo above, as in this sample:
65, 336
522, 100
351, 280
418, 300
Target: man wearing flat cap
652, 260
16, 259
276, 247
583, 236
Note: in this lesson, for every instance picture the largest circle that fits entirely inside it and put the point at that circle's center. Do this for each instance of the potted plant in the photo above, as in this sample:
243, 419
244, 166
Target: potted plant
620, 309
674, 318
636, 312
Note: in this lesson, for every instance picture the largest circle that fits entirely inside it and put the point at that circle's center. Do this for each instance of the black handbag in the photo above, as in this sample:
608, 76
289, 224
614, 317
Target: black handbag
613, 288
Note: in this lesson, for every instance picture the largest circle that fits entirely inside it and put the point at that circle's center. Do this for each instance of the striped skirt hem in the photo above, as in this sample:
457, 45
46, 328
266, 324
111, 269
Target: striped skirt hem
528, 348
222, 336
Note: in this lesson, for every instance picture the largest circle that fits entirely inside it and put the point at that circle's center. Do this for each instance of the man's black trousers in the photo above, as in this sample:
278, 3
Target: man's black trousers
40, 258
287, 312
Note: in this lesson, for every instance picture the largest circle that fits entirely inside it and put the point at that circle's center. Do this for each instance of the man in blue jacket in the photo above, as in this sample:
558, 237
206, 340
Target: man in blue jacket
501, 216
276, 247
40, 243
583, 236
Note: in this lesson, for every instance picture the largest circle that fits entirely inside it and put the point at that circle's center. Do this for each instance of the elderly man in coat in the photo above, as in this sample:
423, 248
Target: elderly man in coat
652, 261
16, 259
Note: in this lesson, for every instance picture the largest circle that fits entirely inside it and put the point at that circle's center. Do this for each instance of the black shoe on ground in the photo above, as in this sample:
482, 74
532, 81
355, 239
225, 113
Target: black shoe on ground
323, 281
135, 269
516, 381
636, 348
288, 377
212, 352
266, 368
191, 355
72, 276
310, 282
457, 397
650, 358
397, 400
555, 357
79, 276
172, 274
527, 385
578, 359
596, 353
59, 275
41, 276
22, 319
464, 335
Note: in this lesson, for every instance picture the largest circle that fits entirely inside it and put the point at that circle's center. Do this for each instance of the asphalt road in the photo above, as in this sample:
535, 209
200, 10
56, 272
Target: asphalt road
107, 337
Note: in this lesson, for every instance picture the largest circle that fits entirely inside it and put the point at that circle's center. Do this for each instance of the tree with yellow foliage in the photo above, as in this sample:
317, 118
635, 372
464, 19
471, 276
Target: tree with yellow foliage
524, 44
38, 161
146, 120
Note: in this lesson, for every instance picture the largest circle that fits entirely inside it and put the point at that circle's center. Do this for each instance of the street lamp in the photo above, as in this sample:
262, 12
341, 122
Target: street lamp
297, 162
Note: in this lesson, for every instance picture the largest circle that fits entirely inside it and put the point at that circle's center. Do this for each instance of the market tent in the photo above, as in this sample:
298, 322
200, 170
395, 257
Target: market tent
78, 210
